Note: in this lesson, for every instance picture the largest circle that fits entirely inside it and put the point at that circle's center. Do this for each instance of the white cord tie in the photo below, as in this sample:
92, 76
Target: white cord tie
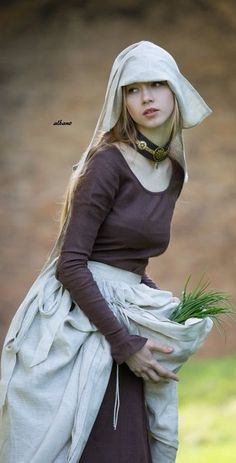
117, 400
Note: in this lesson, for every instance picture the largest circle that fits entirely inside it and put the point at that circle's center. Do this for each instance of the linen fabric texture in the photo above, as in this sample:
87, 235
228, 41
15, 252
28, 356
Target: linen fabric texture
49, 345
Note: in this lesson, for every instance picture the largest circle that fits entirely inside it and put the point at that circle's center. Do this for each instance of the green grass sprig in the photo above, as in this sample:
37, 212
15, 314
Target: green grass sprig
201, 303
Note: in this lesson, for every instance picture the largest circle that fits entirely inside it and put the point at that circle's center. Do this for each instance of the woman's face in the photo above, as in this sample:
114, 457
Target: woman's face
150, 104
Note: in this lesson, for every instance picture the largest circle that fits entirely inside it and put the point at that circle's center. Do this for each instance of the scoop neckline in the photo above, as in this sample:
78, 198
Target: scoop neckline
138, 181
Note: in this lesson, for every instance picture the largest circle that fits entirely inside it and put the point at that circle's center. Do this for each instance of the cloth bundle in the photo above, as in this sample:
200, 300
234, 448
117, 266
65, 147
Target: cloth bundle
53, 359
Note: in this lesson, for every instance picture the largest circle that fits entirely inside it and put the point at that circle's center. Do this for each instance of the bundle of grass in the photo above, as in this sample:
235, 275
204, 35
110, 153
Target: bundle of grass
201, 303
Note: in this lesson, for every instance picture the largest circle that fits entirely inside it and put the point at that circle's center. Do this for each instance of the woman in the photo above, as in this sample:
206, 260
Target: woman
82, 344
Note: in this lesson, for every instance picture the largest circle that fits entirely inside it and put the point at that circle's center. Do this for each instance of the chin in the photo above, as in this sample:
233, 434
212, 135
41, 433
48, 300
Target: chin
153, 125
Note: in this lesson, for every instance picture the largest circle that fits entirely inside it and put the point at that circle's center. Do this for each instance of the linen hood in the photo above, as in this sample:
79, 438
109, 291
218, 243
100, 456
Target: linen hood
145, 62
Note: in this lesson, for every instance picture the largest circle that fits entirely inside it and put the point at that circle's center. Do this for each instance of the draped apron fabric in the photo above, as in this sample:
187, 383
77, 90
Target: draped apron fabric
53, 359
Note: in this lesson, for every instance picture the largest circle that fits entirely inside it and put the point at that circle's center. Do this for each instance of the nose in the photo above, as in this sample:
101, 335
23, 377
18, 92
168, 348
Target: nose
147, 95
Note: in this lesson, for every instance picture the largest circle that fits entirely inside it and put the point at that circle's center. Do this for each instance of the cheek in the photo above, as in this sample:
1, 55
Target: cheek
130, 106
170, 102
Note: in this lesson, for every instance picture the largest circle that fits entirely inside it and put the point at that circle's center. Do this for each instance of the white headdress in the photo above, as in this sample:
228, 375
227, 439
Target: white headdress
146, 62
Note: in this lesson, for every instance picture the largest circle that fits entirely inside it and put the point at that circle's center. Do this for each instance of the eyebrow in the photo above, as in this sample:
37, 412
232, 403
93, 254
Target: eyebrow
145, 82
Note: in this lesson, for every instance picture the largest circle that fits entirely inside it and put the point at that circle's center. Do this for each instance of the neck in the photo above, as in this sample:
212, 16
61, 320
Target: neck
159, 135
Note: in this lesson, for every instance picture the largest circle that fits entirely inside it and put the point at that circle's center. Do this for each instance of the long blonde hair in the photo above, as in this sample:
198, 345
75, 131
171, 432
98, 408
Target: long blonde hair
123, 131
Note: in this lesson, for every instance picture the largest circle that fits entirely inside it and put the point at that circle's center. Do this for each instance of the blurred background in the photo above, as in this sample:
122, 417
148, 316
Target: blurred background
54, 63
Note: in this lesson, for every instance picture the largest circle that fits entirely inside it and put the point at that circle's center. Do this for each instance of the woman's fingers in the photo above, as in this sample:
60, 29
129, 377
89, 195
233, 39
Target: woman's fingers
144, 365
145, 377
149, 375
153, 371
163, 372
153, 376
154, 346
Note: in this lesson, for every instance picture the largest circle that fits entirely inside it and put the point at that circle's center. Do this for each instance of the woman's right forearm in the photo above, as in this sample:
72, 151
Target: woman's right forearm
75, 276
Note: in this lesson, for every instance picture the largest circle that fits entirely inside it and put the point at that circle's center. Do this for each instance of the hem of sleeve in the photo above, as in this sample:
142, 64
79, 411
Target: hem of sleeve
146, 280
134, 344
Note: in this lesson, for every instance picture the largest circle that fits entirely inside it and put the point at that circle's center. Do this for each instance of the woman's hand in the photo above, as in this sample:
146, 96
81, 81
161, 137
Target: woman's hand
143, 364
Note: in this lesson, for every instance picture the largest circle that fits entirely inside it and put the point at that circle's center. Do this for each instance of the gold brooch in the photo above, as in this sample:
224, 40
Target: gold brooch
159, 154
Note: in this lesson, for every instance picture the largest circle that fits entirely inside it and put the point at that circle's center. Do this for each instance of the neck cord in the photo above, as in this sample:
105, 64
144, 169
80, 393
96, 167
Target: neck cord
149, 150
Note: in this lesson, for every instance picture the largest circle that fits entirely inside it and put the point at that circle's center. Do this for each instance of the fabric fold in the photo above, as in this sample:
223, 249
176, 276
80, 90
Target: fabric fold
50, 344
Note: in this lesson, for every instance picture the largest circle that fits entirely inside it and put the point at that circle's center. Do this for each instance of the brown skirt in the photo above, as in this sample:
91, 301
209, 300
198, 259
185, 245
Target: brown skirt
129, 442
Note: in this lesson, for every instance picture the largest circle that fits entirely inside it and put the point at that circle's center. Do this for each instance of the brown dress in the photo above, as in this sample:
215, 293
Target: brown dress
115, 220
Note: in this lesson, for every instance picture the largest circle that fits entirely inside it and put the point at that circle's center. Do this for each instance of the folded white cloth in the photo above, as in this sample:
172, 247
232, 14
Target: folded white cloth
54, 359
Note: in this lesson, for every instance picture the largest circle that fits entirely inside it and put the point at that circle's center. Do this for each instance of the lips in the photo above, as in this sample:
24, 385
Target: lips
150, 111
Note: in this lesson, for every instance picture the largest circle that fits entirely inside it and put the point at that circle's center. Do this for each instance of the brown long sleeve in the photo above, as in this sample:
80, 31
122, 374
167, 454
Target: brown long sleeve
93, 200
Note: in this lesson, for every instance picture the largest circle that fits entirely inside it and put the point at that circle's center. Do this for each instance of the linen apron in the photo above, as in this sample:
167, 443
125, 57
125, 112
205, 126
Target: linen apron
54, 360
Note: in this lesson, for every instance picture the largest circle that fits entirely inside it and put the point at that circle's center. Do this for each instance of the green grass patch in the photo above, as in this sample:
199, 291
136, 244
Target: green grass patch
207, 399
224, 453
